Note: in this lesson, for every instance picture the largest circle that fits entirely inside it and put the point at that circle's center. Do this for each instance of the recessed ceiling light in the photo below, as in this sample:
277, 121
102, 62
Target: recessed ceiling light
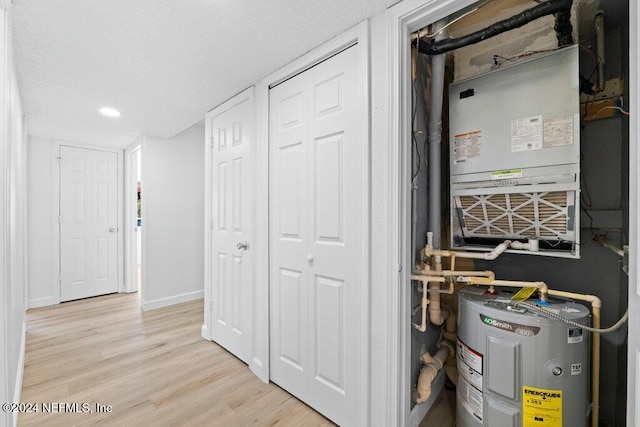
109, 112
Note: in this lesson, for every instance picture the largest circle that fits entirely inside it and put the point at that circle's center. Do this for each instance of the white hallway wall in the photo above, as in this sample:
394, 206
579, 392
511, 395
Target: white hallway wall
173, 214
13, 208
42, 223
173, 211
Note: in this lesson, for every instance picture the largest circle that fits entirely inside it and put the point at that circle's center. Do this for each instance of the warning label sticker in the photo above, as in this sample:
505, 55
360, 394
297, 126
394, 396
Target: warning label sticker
541, 407
470, 398
466, 146
574, 335
558, 132
471, 358
470, 375
470, 379
526, 134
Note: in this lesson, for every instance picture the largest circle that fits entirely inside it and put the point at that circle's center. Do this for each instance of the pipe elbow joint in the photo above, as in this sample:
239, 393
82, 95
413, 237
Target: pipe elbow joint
544, 290
595, 301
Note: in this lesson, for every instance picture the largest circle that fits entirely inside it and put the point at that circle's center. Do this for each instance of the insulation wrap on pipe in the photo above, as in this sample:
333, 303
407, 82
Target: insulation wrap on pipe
562, 9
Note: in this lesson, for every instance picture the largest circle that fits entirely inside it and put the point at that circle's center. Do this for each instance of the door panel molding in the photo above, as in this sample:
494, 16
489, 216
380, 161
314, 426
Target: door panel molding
229, 136
55, 210
89, 218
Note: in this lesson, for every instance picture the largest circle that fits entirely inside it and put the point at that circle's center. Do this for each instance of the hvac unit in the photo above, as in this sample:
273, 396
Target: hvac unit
518, 368
515, 156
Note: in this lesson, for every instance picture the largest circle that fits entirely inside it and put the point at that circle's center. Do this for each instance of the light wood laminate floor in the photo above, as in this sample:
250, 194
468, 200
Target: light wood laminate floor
153, 368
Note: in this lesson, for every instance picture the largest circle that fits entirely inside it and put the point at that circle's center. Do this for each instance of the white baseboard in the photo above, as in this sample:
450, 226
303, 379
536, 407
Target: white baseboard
40, 302
176, 299
420, 410
204, 331
17, 392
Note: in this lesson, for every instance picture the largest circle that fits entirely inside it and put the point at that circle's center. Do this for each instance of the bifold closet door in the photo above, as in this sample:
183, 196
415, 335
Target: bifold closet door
316, 157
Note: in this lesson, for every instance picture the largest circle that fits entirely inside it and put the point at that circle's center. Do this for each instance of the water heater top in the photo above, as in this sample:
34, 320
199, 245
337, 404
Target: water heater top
502, 300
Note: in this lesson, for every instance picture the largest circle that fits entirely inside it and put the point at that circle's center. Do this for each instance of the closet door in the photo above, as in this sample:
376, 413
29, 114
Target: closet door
232, 216
88, 223
316, 211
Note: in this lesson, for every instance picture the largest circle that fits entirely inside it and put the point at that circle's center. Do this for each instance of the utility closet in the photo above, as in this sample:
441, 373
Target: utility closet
519, 215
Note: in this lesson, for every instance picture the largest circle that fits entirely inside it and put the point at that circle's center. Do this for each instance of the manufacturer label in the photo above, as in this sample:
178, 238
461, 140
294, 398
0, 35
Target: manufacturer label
469, 390
558, 132
574, 335
541, 407
524, 330
466, 146
506, 174
526, 134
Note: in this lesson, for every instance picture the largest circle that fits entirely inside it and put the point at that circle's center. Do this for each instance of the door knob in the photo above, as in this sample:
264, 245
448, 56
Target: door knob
310, 258
112, 230
243, 246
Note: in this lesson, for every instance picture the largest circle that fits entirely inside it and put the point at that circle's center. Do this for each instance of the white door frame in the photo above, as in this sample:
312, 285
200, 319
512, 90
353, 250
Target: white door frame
246, 95
403, 19
130, 203
359, 36
633, 358
55, 178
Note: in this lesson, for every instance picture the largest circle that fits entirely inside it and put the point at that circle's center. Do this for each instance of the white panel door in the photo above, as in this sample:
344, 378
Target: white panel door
231, 240
88, 223
316, 212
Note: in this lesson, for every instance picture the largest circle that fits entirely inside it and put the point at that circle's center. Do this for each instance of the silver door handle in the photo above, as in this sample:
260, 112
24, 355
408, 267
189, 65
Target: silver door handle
112, 230
243, 246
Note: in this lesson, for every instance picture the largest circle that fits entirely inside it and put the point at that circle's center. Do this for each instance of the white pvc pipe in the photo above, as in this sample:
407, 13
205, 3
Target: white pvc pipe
426, 280
532, 245
497, 251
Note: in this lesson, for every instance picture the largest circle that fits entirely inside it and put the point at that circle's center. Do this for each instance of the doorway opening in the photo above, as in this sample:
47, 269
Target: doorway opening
138, 229
134, 270
471, 174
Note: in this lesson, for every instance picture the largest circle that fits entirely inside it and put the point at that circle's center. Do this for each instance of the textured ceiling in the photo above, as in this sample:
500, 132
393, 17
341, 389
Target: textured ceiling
162, 63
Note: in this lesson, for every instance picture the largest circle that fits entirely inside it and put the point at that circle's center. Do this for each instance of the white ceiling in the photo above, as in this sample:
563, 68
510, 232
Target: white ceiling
162, 63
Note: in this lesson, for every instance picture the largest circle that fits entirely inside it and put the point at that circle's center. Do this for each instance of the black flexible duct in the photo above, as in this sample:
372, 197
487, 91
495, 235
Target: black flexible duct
562, 9
563, 27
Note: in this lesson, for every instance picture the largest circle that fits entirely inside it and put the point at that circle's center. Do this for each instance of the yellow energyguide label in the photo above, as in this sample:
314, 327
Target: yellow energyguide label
523, 294
541, 407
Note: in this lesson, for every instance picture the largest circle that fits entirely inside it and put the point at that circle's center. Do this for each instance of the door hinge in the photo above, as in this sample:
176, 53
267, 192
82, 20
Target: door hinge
59, 219
211, 142
399, 268
211, 225
59, 159
59, 277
